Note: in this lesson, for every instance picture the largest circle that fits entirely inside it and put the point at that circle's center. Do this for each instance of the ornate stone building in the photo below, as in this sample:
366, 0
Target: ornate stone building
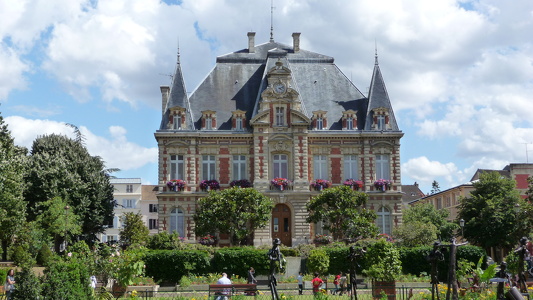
275, 110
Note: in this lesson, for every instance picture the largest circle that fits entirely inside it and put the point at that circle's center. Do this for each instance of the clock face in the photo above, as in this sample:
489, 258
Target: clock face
279, 88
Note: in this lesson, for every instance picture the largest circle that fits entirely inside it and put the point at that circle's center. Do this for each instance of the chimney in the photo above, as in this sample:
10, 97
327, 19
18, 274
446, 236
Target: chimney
251, 42
296, 42
165, 91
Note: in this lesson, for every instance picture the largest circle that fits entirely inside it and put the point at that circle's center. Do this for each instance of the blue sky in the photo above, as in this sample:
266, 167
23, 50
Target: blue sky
459, 73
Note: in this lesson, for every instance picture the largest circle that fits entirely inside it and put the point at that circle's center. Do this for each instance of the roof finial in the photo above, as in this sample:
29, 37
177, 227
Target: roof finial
178, 51
376, 46
271, 20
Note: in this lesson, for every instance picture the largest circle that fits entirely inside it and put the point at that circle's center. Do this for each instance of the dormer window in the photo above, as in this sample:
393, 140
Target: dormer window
209, 121
349, 120
238, 120
319, 120
381, 119
176, 118
280, 116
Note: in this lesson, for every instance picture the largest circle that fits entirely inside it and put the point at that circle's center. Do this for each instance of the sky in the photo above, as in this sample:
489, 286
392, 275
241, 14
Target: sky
459, 73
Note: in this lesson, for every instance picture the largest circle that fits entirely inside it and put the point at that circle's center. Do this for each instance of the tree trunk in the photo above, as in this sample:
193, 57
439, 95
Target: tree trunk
4, 250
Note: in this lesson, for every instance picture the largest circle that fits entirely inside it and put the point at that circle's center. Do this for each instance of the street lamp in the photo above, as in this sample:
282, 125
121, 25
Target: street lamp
66, 224
462, 224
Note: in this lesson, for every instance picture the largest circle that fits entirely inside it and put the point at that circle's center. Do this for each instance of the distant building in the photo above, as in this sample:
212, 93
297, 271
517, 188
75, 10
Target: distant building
277, 111
411, 192
149, 207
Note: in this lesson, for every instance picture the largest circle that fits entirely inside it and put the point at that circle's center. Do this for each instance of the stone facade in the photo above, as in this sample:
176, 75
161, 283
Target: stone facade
269, 111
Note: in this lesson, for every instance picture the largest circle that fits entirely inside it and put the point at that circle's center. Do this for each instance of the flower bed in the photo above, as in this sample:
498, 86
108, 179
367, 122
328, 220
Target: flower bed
320, 184
355, 184
176, 184
207, 185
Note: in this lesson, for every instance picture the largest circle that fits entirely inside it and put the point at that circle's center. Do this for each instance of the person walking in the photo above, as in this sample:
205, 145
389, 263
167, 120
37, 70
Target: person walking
251, 277
9, 286
336, 282
342, 283
300, 279
317, 283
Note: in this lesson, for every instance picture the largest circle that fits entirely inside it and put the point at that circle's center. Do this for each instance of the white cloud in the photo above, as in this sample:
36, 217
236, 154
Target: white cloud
425, 171
116, 151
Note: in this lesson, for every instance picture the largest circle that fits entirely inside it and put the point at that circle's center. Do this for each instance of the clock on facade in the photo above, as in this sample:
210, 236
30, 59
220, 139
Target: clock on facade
279, 88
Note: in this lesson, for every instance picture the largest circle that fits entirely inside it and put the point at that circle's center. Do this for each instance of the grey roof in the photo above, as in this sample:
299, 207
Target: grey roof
504, 173
378, 97
239, 78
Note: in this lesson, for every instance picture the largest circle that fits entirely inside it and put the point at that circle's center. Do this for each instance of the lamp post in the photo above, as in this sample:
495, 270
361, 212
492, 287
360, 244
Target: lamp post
462, 224
66, 225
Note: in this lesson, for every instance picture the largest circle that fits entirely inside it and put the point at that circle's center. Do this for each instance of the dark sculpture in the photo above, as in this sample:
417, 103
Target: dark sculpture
352, 258
503, 278
276, 257
452, 278
522, 253
433, 258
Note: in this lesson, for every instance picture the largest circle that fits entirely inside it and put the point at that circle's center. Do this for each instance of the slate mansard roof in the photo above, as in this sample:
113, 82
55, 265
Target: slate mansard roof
238, 79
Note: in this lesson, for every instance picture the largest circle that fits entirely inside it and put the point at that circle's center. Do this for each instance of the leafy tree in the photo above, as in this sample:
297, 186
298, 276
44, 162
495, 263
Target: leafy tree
415, 234
58, 221
12, 206
494, 214
134, 231
341, 210
164, 241
62, 167
237, 212
427, 213
434, 187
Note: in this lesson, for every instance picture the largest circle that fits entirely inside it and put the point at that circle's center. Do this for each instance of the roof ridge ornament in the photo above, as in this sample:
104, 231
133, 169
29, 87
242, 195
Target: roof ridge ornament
376, 54
271, 21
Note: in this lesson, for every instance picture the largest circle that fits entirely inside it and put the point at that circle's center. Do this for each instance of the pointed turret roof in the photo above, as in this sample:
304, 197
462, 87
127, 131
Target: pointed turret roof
378, 97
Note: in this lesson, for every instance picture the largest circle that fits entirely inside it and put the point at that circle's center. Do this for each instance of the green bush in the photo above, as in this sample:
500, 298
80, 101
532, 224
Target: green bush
338, 261
66, 279
238, 260
384, 261
318, 261
168, 266
28, 285
44, 255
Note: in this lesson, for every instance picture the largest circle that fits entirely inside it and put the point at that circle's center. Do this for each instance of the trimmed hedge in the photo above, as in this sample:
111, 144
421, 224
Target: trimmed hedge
238, 260
168, 266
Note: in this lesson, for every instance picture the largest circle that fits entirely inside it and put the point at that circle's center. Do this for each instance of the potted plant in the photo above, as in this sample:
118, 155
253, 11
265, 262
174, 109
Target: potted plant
355, 184
320, 184
207, 185
280, 183
176, 184
382, 184
384, 267
243, 183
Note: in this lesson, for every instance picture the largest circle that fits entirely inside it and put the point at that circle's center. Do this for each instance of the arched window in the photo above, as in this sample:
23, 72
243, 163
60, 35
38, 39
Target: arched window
384, 220
177, 221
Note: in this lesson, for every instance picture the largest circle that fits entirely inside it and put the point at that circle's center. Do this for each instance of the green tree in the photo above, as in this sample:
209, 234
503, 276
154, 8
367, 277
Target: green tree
434, 187
12, 205
413, 234
494, 214
427, 213
342, 211
237, 212
62, 167
58, 221
134, 230
164, 241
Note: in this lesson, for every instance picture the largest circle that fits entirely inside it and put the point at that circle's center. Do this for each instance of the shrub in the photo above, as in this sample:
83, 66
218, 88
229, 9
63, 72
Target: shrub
169, 265
384, 260
28, 285
66, 279
238, 260
44, 255
318, 261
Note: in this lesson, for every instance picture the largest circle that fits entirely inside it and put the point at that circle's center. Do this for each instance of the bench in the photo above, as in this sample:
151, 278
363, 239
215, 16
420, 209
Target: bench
229, 290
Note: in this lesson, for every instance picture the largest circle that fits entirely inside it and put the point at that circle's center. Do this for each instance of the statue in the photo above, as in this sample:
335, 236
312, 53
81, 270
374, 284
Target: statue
522, 253
452, 278
276, 257
434, 257
503, 278
352, 258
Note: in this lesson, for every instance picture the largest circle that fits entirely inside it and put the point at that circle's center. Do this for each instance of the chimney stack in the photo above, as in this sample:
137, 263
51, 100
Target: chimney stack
296, 42
165, 91
251, 42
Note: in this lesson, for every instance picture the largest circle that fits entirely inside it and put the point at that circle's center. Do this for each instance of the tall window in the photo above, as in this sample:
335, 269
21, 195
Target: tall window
176, 122
208, 167
129, 188
280, 116
280, 165
128, 203
319, 123
152, 208
349, 123
177, 166
177, 221
239, 167
320, 167
384, 220
238, 123
382, 166
350, 167
153, 224
208, 123
381, 122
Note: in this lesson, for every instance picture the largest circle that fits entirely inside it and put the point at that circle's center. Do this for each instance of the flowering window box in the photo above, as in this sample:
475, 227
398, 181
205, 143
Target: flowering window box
243, 183
354, 184
176, 185
280, 183
207, 185
320, 184
382, 184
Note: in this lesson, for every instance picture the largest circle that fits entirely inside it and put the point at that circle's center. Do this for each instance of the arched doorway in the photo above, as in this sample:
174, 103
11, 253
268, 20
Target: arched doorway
281, 224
